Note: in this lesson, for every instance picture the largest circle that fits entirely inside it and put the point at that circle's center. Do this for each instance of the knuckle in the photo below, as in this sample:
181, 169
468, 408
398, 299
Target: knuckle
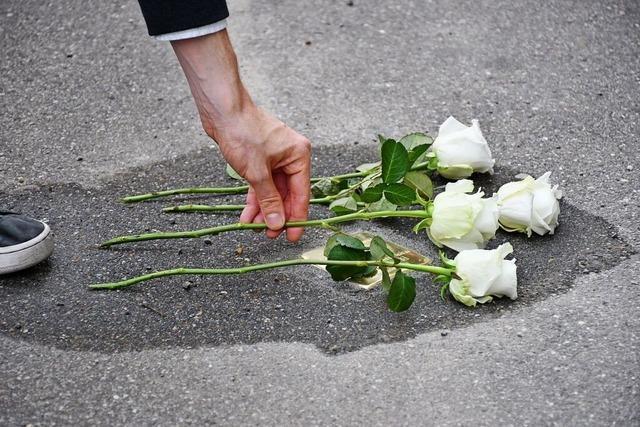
304, 146
270, 200
256, 176
208, 129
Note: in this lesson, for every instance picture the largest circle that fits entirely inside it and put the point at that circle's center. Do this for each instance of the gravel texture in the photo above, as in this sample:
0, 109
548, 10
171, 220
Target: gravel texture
52, 304
92, 107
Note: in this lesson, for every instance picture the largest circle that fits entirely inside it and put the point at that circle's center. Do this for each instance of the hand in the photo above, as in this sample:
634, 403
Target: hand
273, 158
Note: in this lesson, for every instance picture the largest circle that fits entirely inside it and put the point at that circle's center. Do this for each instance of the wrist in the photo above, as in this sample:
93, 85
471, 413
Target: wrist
210, 66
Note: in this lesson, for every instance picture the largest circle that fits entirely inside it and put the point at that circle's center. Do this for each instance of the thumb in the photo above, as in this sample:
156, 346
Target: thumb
270, 202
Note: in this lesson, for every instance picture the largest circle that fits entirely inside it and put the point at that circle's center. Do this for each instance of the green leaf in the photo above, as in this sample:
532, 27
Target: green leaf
370, 183
400, 194
381, 205
443, 290
345, 205
402, 292
421, 182
342, 184
352, 182
373, 194
416, 139
365, 167
425, 223
342, 239
371, 271
447, 262
416, 154
346, 253
442, 278
232, 173
386, 280
344, 272
324, 187
433, 161
379, 249
395, 162
424, 203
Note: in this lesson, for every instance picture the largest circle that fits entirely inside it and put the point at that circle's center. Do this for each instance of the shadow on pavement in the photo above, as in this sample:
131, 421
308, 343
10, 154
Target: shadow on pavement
51, 304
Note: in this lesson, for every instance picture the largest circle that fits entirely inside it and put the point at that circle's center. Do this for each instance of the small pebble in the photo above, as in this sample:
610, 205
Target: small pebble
187, 285
208, 242
444, 333
350, 3
239, 250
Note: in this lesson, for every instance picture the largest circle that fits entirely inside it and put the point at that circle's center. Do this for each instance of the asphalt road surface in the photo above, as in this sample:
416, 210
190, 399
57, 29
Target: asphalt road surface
93, 109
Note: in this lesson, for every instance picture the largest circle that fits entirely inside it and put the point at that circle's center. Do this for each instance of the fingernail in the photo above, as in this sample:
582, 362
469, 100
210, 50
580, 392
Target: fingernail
274, 221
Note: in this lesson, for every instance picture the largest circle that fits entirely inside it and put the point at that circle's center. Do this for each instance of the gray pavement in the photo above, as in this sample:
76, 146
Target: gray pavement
93, 109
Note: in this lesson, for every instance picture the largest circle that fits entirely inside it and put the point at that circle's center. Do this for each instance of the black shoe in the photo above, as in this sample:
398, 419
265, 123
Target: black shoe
23, 242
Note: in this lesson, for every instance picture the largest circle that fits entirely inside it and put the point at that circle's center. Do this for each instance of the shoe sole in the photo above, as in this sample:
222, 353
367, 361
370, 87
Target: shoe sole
27, 254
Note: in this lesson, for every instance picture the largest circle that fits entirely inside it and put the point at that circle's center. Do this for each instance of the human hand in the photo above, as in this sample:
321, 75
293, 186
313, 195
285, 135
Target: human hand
273, 158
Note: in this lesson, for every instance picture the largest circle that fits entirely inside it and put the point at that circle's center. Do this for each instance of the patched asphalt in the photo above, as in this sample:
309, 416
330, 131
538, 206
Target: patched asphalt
52, 305
91, 107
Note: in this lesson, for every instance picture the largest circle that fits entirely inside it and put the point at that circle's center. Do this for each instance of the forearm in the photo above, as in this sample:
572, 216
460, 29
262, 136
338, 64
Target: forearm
272, 157
211, 68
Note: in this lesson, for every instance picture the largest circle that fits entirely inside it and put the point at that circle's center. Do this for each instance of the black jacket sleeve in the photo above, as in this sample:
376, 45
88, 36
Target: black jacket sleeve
168, 16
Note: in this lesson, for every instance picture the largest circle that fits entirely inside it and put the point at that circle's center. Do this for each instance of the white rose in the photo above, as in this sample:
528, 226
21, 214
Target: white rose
461, 150
484, 274
460, 220
529, 205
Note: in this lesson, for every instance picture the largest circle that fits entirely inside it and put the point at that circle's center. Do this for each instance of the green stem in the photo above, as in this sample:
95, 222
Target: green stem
243, 188
227, 208
177, 191
230, 208
364, 216
203, 208
257, 267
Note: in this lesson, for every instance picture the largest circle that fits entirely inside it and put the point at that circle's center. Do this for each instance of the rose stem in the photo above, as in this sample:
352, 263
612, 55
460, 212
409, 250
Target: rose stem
257, 267
326, 222
243, 188
217, 190
194, 190
227, 208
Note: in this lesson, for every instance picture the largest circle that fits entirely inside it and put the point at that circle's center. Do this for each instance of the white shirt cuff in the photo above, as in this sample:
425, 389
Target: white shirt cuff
193, 32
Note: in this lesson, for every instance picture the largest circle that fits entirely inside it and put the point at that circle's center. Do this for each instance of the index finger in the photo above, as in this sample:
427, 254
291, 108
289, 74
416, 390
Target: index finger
297, 200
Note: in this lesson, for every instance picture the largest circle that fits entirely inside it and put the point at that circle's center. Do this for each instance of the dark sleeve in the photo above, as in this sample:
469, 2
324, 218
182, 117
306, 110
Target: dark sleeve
169, 16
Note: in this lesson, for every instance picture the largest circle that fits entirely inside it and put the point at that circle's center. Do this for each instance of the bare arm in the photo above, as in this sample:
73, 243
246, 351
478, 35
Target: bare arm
273, 158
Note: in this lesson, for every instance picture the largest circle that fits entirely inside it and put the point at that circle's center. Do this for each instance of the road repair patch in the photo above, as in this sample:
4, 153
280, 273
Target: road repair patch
51, 303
